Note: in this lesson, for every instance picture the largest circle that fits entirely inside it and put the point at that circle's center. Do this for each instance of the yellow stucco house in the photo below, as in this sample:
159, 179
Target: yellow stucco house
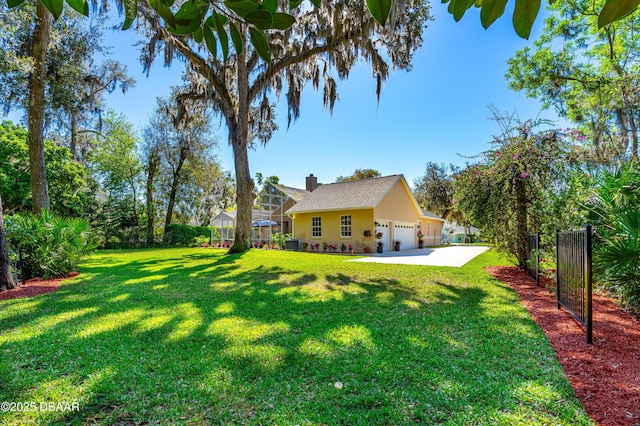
355, 212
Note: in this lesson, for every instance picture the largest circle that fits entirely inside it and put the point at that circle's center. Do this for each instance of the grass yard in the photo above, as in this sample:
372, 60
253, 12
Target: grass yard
191, 336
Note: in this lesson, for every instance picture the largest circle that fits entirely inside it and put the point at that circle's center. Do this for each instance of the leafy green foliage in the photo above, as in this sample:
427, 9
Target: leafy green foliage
564, 206
114, 159
504, 193
68, 187
586, 75
184, 235
51, 246
524, 15
615, 10
359, 174
616, 216
189, 19
280, 239
114, 222
380, 9
434, 191
526, 12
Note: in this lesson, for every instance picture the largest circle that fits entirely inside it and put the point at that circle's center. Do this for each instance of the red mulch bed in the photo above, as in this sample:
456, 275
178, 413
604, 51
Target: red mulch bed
34, 287
606, 374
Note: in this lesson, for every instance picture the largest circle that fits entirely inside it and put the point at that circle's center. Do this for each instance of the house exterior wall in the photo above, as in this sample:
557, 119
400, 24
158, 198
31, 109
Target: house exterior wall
397, 206
361, 220
432, 231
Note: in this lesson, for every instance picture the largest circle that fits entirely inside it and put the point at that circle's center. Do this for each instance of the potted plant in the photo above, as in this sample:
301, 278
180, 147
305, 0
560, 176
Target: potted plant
366, 249
397, 246
420, 237
379, 235
379, 248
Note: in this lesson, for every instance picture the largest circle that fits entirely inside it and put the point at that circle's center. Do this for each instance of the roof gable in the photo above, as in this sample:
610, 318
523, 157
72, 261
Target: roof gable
356, 194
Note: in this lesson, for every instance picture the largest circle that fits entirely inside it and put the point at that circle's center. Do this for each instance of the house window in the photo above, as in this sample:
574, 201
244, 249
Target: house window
345, 226
316, 227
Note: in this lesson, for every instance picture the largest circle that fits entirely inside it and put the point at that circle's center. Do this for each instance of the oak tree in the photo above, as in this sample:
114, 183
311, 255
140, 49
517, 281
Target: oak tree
314, 46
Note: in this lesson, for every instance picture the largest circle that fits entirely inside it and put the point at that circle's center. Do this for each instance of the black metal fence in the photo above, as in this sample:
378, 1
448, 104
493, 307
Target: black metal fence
533, 257
573, 275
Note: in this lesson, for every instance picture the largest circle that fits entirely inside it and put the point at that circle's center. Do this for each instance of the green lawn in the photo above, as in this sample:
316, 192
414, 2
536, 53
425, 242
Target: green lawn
191, 336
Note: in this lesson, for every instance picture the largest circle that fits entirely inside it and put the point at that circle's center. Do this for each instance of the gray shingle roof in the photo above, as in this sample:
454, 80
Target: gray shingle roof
427, 213
356, 194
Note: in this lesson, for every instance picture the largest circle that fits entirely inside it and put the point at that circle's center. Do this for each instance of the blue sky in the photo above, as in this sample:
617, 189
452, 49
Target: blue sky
433, 113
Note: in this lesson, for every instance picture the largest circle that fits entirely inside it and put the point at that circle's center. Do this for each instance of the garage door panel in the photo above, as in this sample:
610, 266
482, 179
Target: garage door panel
406, 234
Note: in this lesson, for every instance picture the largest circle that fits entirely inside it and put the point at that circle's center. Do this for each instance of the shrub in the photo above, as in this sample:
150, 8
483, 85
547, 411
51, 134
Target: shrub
184, 235
200, 241
280, 239
51, 246
617, 241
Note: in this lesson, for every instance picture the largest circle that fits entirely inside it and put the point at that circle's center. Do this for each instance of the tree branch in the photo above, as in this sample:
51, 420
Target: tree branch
274, 68
201, 65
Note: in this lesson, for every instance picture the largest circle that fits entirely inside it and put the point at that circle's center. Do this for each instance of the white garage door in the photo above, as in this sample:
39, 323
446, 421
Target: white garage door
406, 234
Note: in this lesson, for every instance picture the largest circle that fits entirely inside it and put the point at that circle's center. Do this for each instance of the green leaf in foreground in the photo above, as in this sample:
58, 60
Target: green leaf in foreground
210, 40
222, 34
524, 16
614, 10
235, 37
55, 7
80, 6
491, 10
379, 10
241, 7
270, 5
261, 19
259, 41
130, 13
282, 21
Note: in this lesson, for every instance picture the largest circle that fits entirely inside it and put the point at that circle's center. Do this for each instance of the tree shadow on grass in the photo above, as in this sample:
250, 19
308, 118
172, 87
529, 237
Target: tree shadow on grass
238, 342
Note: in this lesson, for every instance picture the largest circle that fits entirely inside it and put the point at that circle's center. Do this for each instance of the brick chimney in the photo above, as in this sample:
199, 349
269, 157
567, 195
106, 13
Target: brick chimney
312, 182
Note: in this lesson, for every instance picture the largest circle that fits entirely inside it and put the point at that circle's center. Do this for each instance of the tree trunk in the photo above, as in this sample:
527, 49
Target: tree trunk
151, 173
239, 139
173, 192
37, 82
244, 191
634, 137
6, 279
521, 222
73, 144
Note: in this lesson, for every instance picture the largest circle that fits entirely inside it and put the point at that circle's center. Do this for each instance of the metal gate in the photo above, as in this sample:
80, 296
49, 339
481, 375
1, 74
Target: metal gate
573, 275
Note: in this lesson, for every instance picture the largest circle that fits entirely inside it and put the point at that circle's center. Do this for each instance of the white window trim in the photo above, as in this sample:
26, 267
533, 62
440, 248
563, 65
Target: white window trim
346, 237
320, 228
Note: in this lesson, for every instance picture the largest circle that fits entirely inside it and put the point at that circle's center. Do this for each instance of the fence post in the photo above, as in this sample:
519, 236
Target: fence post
537, 259
588, 277
558, 268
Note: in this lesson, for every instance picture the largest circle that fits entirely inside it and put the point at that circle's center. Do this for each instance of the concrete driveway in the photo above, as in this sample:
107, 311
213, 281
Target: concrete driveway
455, 256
